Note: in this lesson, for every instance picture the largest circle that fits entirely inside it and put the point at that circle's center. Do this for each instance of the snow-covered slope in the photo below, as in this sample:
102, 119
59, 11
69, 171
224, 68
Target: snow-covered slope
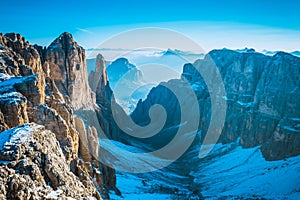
245, 173
228, 172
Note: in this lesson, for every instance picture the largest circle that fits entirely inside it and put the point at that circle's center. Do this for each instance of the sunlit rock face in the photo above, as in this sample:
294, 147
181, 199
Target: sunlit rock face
49, 86
36, 167
98, 76
67, 66
29, 95
18, 56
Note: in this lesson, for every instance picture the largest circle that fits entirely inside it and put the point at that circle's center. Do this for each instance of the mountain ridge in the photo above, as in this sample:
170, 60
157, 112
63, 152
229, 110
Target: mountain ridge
47, 95
49, 86
243, 75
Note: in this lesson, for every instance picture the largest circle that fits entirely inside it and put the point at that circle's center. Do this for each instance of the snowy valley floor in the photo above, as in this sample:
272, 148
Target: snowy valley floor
228, 172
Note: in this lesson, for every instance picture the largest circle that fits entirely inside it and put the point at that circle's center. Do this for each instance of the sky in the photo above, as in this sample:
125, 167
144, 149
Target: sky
259, 24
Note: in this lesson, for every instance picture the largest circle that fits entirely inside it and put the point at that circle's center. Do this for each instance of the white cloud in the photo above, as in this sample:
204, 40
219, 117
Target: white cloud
85, 30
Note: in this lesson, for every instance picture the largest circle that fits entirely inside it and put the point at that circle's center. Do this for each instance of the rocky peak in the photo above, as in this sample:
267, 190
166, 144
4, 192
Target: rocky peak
15, 36
100, 63
64, 41
20, 57
122, 61
65, 61
282, 54
122, 68
121, 64
98, 76
284, 57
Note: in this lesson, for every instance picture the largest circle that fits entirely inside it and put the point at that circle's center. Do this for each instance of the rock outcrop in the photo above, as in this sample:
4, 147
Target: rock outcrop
88, 116
105, 100
98, 76
33, 166
18, 57
65, 60
49, 86
29, 95
262, 100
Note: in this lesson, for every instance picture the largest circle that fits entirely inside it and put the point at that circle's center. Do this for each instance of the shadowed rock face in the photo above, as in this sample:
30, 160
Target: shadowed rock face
121, 67
49, 86
262, 95
104, 99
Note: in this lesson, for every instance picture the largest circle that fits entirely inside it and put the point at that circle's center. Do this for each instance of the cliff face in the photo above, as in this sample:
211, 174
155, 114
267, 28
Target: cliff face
49, 86
30, 96
262, 95
99, 76
104, 99
65, 60
22, 58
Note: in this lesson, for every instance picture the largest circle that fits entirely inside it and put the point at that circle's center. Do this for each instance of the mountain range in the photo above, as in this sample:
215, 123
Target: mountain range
58, 120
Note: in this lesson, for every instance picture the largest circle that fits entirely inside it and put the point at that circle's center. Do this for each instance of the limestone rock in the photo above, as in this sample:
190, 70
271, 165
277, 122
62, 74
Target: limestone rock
23, 49
54, 122
65, 60
67, 64
104, 100
3, 125
98, 76
33, 88
13, 108
83, 142
36, 168
262, 95
49, 86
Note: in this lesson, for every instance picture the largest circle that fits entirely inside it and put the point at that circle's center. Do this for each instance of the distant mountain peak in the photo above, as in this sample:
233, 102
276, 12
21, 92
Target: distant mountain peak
15, 36
122, 62
245, 50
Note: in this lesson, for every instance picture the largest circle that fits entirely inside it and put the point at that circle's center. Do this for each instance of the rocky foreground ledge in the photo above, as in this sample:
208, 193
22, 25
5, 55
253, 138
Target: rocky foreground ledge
33, 166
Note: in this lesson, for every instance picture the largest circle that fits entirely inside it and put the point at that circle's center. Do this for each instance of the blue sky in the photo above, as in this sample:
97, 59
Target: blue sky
42, 21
